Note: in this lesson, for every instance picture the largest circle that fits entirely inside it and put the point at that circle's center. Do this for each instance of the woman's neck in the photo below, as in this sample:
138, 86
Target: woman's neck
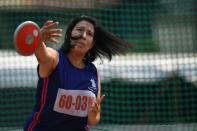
76, 60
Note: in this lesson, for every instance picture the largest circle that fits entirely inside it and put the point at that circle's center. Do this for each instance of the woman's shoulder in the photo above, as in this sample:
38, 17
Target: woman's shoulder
61, 54
92, 67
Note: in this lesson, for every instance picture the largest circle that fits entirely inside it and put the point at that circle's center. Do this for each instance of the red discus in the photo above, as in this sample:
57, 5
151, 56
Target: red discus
26, 38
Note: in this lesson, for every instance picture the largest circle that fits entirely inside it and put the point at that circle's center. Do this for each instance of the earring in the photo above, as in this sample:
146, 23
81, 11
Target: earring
88, 54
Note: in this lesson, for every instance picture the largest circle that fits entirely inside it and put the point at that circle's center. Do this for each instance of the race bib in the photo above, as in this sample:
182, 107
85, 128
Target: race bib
74, 102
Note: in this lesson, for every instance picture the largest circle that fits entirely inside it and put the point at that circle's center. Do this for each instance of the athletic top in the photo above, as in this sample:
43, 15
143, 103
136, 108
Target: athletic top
63, 98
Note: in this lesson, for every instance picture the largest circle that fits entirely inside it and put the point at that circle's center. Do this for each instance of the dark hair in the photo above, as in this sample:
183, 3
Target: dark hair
105, 43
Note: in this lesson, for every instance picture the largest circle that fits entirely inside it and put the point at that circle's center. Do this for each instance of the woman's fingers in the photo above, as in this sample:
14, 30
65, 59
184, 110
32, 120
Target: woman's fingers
54, 40
51, 25
55, 30
97, 105
53, 33
95, 108
50, 31
101, 99
48, 22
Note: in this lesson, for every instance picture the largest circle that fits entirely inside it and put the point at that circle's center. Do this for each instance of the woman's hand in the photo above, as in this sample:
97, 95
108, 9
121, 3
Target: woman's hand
94, 111
50, 32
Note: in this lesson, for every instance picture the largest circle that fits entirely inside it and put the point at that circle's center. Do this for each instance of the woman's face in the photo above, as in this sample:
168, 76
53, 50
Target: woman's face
83, 34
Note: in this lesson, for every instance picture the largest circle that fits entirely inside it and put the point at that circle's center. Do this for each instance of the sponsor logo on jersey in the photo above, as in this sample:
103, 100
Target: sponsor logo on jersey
93, 87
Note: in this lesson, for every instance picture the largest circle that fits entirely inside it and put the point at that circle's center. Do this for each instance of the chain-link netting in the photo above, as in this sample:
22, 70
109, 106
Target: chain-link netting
152, 88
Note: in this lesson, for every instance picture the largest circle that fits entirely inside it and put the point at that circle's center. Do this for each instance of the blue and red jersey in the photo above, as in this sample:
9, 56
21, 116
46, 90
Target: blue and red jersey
63, 98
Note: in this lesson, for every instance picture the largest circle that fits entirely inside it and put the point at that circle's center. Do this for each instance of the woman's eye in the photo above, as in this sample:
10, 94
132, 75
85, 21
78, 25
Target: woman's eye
80, 29
90, 34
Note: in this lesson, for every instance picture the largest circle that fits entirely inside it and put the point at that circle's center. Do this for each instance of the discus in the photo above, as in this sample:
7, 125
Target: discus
26, 38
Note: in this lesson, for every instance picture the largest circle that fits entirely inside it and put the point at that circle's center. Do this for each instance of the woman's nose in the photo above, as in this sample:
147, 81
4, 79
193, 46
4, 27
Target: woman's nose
84, 34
